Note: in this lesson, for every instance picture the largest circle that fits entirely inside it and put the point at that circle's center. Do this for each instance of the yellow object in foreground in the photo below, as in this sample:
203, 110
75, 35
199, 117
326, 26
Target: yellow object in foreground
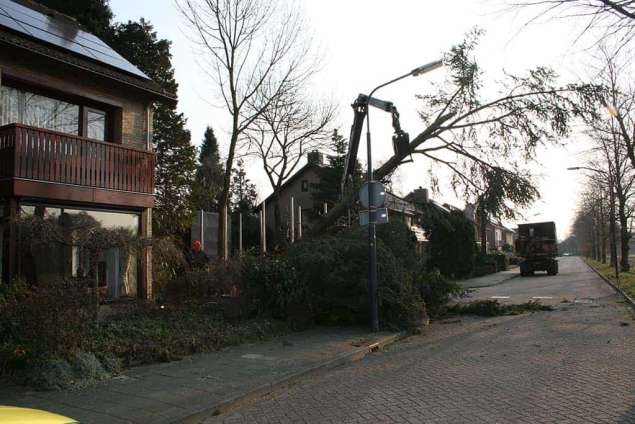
15, 415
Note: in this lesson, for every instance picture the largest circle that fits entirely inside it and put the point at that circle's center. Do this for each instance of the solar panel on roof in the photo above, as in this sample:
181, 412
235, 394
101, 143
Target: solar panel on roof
61, 34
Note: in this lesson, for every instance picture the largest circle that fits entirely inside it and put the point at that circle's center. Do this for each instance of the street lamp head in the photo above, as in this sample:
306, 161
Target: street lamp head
612, 110
426, 68
574, 168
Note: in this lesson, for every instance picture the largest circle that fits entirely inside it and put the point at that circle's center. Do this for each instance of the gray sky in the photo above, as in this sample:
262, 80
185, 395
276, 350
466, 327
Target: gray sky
367, 42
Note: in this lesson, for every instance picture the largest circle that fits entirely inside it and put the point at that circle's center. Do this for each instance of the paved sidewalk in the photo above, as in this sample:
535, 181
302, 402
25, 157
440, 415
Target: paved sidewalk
171, 392
490, 279
573, 365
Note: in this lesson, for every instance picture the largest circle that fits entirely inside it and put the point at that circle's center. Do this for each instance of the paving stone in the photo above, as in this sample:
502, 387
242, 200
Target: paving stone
575, 364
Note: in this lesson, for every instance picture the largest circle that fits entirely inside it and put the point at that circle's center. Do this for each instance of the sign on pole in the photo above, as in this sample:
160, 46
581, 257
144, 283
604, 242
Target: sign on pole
377, 216
378, 195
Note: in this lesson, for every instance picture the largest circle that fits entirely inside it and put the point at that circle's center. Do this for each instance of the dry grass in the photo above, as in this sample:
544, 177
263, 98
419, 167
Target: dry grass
626, 280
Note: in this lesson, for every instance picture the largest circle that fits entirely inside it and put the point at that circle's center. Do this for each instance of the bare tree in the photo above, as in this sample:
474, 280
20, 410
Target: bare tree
477, 137
293, 126
247, 45
612, 20
618, 100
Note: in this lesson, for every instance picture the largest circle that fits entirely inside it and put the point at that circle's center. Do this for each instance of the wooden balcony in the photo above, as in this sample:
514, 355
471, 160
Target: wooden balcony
39, 163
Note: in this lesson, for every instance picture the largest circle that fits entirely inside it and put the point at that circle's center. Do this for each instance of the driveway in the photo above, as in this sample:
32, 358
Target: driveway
575, 364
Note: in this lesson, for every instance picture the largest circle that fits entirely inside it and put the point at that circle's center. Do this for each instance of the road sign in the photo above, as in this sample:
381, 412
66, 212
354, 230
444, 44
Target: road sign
378, 191
379, 216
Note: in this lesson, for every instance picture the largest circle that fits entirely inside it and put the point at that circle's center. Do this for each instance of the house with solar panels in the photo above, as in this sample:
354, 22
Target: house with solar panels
75, 145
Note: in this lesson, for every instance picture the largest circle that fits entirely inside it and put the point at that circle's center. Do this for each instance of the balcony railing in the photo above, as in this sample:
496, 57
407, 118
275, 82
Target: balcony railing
42, 155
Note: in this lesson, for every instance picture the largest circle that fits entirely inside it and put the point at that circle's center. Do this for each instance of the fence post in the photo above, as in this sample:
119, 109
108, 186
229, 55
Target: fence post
201, 233
263, 228
292, 219
299, 222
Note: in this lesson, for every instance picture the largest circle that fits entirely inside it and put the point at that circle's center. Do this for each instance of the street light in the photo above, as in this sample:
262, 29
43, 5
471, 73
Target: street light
612, 213
372, 229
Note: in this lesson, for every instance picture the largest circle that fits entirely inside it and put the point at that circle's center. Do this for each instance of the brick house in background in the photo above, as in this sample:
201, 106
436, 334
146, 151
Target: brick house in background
75, 142
498, 235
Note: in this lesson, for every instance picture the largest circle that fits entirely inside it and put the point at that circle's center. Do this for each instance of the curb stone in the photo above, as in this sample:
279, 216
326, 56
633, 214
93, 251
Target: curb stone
626, 297
342, 359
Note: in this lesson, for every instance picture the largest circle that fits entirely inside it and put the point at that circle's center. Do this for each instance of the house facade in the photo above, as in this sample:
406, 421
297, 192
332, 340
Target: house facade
75, 147
498, 236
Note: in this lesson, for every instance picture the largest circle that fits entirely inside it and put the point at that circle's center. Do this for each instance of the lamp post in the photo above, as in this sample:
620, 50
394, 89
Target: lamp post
612, 229
372, 226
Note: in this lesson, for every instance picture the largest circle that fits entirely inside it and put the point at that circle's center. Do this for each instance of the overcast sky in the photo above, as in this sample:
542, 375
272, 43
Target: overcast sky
367, 42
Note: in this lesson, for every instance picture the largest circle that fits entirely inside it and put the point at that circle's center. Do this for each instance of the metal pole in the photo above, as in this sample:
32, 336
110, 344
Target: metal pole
264, 227
372, 237
299, 222
292, 219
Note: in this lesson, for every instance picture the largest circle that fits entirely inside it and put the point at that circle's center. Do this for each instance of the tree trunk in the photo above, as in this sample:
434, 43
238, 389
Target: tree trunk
602, 234
224, 198
625, 236
612, 232
277, 220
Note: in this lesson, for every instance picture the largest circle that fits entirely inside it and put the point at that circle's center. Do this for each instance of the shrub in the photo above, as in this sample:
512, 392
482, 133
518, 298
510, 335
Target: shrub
501, 260
335, 269
168, 265
50, 319
436, 290
272, 286
452, 243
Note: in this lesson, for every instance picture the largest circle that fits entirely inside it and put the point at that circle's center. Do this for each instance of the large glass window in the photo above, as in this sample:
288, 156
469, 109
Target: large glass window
96, 124
115, 269
19, 106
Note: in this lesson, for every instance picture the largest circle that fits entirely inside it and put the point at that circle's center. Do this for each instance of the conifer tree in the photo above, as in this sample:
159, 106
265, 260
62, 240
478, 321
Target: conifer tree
208, 182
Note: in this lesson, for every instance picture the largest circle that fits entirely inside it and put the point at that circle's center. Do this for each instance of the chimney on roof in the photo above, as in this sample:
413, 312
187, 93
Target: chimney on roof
315, 158
418, 195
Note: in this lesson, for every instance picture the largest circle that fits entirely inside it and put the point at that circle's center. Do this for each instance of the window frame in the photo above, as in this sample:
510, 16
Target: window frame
84, 106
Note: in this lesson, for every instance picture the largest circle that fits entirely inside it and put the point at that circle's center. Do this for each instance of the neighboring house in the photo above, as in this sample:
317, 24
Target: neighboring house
75, 144
497, 234
301, 187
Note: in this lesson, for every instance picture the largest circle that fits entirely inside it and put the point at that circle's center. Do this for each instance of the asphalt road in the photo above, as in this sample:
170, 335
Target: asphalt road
575, 283
575, 364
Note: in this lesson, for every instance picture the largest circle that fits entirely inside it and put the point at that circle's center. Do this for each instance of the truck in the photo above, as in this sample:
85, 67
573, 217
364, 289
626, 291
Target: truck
537, 247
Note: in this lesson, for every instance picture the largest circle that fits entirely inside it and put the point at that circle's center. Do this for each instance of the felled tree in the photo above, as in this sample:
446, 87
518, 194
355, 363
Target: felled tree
501, 187
452, 244
471, 134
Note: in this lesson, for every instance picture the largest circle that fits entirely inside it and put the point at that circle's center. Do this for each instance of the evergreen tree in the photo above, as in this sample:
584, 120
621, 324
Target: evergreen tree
329, 188
93, 15
243, 202
208, 182
176, 156
243, 192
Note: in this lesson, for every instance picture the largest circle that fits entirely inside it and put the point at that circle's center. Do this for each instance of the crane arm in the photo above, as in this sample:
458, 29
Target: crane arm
360, 109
